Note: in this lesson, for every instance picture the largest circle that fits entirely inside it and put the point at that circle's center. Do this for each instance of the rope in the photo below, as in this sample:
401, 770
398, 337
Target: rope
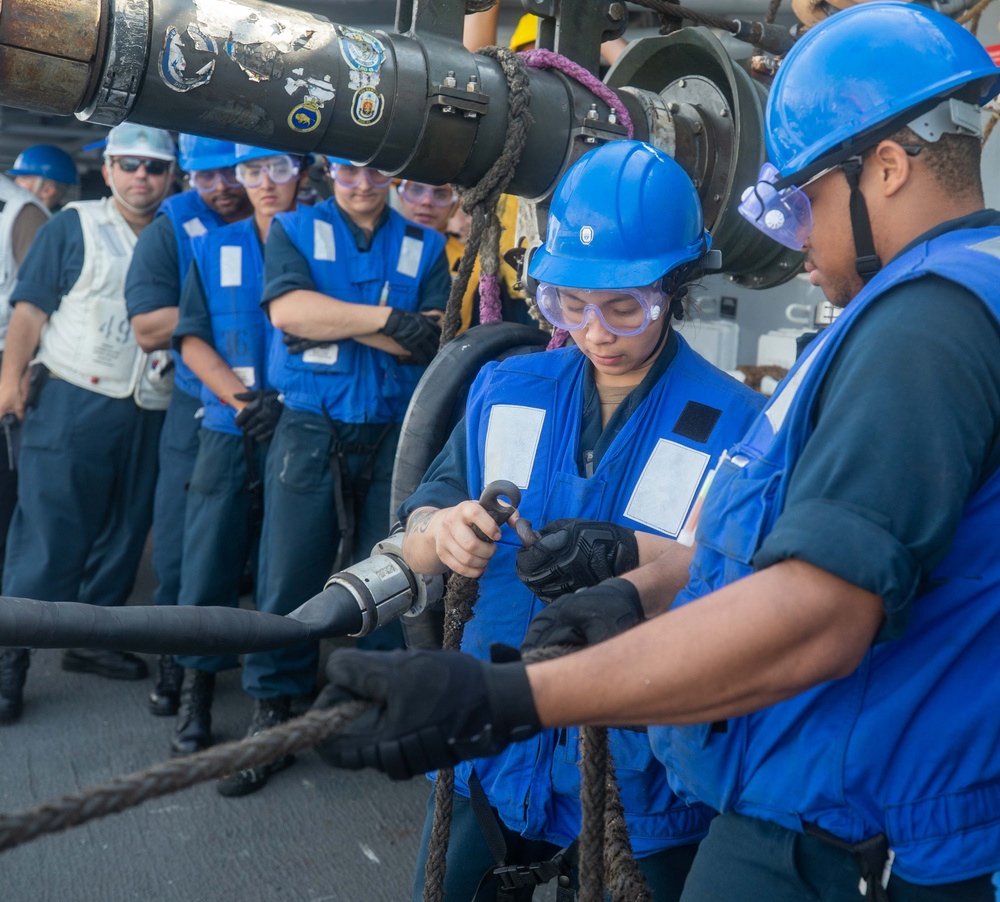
459, 598
126, 792
772, 11
606, 859
480, 202
972, 16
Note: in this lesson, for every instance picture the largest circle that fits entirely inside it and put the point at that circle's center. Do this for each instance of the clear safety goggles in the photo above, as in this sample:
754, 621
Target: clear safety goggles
622, 311
280, 170
440, 196
783, 214
351, 176
209, 179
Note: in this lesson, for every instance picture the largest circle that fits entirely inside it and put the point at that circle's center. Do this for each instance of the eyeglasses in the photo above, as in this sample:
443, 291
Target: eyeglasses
133, 164
281, 170
622, 311
350, 176
208, 179
415, 192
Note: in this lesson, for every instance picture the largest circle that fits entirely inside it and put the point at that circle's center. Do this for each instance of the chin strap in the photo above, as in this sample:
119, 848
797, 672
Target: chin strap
132, 208
867, 262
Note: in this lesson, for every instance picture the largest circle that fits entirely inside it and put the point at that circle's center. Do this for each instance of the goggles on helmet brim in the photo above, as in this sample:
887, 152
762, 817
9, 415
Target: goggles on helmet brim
631, 313
783, 214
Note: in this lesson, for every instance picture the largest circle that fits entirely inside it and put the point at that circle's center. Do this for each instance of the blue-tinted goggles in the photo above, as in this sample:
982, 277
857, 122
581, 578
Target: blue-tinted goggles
622, 311
783, 214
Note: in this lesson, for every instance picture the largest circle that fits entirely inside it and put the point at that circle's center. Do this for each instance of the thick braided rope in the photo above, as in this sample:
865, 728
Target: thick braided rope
480, 201
126, 792
459, 600
603, 822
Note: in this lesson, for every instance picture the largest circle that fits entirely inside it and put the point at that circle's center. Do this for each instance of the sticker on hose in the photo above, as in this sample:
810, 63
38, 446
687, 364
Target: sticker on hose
363, 52
173, 65
305, 117
367, 107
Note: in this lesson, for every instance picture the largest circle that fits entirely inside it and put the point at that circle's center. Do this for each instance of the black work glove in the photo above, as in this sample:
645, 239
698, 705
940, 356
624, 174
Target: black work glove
573, 554
432, 709
298, 345
261, 414
417, 333
586, 617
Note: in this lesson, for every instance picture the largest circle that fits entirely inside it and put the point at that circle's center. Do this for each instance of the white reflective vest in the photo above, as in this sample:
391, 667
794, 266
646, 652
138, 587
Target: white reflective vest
13, 199
88, 340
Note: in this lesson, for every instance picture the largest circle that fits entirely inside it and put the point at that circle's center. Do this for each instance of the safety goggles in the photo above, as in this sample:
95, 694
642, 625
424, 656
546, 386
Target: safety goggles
350, 176
133, 164
783, 214
622, 311
440, 196
209, 179
280, 170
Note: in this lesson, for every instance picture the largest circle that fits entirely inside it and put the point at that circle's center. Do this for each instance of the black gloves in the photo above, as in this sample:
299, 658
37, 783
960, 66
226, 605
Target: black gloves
260, 415
574, 554
586, 617
298, 345
417, 333
432, 709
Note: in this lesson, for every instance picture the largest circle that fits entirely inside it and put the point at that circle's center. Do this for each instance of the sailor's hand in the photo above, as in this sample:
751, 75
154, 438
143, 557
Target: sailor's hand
586, 617
415, 333
260, 415
430, 709
298, 345
464, 536
573, 554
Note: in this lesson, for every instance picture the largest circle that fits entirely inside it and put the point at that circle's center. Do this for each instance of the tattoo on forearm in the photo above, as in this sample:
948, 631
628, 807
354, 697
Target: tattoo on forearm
419, 520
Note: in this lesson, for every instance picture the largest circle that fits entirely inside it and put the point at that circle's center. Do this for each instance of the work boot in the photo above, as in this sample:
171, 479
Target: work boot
194, 725
13, 670
267, 713
115, 665
166, 695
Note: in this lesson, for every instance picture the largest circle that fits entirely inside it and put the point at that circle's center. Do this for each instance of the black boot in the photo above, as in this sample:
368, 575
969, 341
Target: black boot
194, 725
13, 670
115, 665
267, 713
166, 695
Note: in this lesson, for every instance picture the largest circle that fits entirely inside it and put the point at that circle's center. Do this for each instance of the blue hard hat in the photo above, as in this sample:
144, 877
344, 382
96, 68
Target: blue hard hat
864, 73
624, 215
244, 152
46, 161
205, 153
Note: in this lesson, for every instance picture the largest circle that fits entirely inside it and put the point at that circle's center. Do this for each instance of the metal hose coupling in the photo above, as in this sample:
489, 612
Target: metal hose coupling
384, 588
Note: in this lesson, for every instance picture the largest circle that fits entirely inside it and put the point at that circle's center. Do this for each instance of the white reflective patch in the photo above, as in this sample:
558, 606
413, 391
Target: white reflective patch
324, 244
781, 402
109, 236
667, 486
245, 374
324, 354
410, 252
512, 442
991, 247
194, 227
230, 266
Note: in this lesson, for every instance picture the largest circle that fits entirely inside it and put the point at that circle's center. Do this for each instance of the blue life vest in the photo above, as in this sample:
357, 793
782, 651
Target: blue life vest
909, 744
231, 266
190, 216
523, 421
352, 382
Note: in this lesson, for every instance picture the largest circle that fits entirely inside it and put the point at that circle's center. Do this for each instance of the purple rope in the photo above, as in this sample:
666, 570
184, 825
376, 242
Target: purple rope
547, 59
557, 340
489, 299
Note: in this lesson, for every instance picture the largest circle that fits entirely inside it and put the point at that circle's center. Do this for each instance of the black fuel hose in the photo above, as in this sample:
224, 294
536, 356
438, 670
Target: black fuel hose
178, 630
